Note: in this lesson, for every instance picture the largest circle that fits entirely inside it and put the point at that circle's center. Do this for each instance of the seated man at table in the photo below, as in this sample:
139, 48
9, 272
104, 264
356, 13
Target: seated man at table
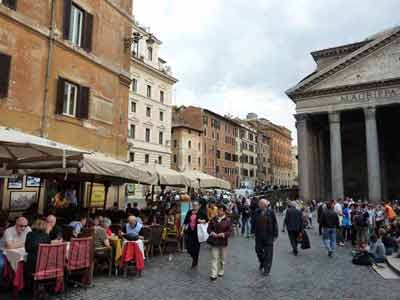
100, 236
38, 235
55, 231
132, 229
13, 238
77, 226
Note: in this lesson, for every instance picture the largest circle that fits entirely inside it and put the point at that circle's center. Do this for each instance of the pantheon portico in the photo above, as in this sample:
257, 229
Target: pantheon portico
348, 121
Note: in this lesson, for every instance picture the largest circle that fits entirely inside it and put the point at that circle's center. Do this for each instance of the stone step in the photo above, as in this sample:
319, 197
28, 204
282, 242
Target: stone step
385, 271
394, 263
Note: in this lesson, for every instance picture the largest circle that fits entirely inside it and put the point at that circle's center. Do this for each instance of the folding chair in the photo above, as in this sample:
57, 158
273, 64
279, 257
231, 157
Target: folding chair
50, 266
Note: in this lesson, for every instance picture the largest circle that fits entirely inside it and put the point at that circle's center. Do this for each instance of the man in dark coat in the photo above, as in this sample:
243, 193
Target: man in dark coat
266, 232
294, 225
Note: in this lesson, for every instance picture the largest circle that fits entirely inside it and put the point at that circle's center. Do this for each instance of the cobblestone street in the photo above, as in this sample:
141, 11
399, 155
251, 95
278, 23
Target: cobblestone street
311, 275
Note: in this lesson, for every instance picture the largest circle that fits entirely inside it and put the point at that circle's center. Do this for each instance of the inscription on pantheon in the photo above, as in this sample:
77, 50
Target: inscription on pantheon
366, 96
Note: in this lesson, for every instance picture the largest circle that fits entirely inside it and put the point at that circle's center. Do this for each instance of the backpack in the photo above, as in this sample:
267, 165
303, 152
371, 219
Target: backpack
363, 259
362, 219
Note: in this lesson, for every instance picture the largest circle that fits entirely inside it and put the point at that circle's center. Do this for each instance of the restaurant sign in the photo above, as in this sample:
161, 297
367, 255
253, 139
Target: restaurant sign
373, 95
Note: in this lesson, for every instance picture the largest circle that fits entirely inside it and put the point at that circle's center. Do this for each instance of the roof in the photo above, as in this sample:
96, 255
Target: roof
353, 52
221, 117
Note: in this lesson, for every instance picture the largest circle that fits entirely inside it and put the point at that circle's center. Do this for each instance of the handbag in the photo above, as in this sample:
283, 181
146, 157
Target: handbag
202, 233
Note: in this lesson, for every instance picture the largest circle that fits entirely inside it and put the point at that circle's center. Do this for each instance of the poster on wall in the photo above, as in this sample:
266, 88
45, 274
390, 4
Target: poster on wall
130, 187
32, 182
22, 200
98, 194
15, 183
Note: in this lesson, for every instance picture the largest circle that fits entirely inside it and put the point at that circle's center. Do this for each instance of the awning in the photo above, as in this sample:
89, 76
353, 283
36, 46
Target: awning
207, 181
94, 167
169, 177
16, 146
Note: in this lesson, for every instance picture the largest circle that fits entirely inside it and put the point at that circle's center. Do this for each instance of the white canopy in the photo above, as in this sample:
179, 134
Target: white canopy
17, 146
207, 181
95, 167
166, 176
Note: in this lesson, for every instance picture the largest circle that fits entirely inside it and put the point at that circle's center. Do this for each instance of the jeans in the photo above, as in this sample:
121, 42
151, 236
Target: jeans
218, 255
2, 265
329, 238
246, 226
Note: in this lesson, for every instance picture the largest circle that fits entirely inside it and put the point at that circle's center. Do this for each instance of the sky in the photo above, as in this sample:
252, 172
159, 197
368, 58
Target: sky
239, 56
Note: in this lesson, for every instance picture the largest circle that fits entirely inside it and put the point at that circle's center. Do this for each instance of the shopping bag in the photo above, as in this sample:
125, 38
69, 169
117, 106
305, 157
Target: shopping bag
202, 233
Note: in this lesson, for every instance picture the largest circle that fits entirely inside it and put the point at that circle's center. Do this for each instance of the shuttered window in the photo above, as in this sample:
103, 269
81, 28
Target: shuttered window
5, 66
72, 99
9, 3
78, 25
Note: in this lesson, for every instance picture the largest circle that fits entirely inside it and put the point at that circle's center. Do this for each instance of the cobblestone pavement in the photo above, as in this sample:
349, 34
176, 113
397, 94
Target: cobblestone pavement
311, 275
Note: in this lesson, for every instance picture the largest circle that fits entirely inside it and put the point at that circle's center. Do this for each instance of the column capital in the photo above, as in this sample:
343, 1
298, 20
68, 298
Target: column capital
370, 113
334, 117
301, 117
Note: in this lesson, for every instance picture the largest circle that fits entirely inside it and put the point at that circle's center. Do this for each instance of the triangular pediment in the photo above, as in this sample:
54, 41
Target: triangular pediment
377, 60
382, 64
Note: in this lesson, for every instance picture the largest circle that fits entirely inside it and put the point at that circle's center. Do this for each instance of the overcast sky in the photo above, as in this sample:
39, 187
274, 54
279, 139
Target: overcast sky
239, 56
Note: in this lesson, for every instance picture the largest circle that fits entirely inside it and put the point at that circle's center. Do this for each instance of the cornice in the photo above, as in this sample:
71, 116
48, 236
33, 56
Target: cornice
170, 78
348, 88
342, 63
339, 50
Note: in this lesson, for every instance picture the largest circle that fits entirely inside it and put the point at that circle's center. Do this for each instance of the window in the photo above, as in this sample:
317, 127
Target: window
132, 131
150, 53
218, 154
148, 112
146, 158
174, 158
9, 3
78, 26
133, 106
190, 144
199, 146
189, 159
175, 143
161, 138
161, 116
134, 85
131, 156
135, 48
162, 96
147, 135
5, 67
160, 160
72, 99
205, 120
199, 161
217, 169
148, 91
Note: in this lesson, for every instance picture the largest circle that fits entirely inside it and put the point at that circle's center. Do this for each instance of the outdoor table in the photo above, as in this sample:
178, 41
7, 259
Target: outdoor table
14, 271
117, 244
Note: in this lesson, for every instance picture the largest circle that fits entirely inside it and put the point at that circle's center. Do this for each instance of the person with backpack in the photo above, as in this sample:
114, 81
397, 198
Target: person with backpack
330, 223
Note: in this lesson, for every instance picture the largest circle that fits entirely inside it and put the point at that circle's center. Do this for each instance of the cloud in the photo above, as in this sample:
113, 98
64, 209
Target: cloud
236, 56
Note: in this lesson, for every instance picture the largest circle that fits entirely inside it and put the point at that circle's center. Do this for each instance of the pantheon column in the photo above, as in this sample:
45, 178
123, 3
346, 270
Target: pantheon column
304, 152
336, 156
373, 159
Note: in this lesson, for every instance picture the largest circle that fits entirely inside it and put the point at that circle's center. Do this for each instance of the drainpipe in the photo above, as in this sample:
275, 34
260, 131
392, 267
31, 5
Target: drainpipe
44, 121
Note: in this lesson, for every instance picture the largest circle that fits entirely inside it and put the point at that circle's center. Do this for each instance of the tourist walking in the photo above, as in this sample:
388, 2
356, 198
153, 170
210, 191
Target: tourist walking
246, 216
193, 217
219, 229
266, 232
329, 223
294, 224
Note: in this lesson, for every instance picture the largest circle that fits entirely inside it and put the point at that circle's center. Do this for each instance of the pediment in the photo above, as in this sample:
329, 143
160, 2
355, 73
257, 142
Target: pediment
382, 64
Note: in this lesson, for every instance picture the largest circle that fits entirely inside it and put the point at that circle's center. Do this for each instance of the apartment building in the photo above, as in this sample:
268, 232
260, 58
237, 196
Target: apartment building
65, 72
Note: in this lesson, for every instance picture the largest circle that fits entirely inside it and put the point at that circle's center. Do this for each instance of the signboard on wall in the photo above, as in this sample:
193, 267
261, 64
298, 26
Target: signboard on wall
98, 194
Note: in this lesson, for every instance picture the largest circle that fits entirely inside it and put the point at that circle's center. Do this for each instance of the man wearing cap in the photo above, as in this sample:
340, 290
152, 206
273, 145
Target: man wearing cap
266, 232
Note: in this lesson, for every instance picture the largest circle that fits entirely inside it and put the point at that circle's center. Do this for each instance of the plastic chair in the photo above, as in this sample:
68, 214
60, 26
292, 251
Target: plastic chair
50, 266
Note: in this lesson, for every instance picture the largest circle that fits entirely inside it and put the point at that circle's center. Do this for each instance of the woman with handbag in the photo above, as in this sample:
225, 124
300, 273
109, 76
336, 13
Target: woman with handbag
219, 228
193, 217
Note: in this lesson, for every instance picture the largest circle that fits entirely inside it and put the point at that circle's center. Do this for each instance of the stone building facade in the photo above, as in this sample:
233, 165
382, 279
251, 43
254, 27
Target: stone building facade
150, 102
65, 71
280, 149
347, 113
187, 136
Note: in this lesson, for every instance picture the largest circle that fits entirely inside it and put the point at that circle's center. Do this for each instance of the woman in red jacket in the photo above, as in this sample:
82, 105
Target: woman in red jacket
219, 228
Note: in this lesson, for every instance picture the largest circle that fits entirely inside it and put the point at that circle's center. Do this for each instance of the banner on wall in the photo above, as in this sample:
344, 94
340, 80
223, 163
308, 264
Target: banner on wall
98, 194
